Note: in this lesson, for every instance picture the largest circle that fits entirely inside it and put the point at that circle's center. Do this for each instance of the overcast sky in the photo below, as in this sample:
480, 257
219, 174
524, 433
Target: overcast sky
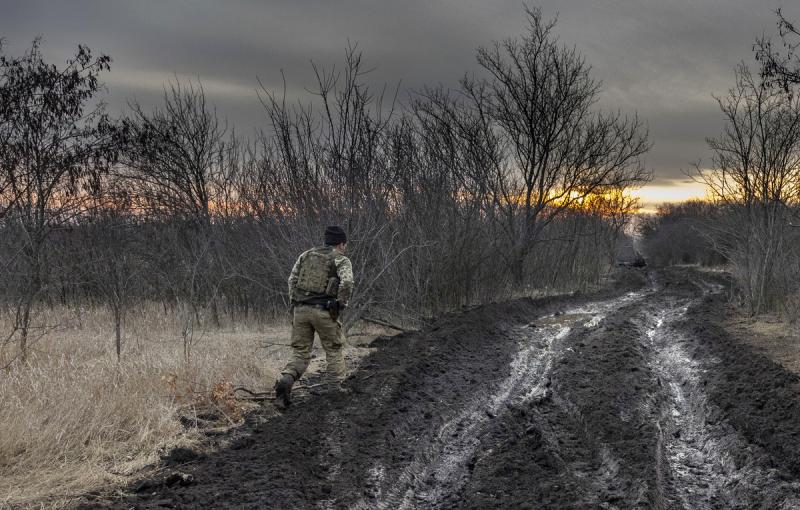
661, 58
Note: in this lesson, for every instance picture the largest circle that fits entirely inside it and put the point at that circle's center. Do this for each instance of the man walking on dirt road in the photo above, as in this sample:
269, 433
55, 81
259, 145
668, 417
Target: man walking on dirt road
320, 285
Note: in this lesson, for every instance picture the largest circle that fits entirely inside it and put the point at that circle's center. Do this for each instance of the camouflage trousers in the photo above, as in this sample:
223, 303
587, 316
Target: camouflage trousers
307, 321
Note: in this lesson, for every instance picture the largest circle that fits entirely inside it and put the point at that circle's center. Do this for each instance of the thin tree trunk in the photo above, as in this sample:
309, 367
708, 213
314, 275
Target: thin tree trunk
23, 329
118, 331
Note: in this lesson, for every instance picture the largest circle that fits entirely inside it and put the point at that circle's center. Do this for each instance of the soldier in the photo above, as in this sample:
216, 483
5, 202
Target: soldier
320, 285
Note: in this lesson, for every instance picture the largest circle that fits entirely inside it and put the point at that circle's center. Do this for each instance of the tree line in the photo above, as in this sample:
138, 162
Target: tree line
509, 182
753, 182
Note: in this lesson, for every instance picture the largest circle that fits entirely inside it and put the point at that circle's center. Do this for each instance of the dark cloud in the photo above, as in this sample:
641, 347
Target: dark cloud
662, 59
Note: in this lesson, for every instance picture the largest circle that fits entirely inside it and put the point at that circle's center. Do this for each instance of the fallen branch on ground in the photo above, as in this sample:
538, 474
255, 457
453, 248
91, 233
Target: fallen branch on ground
255, 396
386, 324
274, 344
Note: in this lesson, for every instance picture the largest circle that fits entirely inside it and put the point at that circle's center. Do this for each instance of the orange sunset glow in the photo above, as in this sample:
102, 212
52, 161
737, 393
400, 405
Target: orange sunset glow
655, 194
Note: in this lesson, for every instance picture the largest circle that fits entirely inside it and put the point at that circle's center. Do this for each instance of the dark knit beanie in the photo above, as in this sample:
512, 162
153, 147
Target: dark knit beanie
334, 236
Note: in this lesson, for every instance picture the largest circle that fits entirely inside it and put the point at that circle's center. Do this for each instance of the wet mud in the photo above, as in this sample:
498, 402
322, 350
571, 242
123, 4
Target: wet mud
635, 397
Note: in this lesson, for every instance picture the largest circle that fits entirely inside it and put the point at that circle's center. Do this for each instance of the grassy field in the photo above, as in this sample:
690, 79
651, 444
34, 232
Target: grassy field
74, 420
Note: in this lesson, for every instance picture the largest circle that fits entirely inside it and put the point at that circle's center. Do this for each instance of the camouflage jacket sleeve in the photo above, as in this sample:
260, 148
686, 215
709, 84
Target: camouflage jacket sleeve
344, 270
293, 277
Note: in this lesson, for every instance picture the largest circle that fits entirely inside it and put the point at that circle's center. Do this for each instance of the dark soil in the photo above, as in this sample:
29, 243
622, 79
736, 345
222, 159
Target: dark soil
758, 397
568, 402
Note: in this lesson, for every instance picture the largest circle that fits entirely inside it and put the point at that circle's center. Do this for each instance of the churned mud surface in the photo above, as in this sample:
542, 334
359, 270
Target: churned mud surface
631, 398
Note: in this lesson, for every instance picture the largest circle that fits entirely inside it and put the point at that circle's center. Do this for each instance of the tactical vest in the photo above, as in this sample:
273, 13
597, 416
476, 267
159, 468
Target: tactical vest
317, 275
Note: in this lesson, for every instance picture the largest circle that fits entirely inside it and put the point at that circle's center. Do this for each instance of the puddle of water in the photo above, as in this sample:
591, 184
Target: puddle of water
563, 319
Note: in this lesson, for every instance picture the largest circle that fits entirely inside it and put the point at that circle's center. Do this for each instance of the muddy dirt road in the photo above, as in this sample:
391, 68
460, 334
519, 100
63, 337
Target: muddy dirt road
635, 398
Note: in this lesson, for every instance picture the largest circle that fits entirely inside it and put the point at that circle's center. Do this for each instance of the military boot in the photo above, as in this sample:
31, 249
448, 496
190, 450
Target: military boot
283, 391
335, 384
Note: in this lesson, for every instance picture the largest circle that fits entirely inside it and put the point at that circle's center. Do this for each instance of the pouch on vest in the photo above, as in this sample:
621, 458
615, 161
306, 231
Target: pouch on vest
314, 272
332, 289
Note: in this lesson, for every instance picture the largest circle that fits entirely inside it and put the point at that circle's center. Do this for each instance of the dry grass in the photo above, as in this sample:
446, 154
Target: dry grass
73, 419
773, 335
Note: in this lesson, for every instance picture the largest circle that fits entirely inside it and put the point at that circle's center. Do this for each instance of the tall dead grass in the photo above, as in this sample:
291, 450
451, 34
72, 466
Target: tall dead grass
73, 419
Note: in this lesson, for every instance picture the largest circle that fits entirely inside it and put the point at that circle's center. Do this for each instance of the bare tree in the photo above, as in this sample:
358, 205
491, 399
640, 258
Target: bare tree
538, 102
755, 175
56, 144
175, 164
780, 65
174, 154
450, 196
113, 261
7, 129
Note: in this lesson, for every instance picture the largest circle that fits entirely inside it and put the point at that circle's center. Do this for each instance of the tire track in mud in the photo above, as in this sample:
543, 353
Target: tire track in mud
441, 468
628, 425
591, 443
710, 463
696, 462
330, 456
